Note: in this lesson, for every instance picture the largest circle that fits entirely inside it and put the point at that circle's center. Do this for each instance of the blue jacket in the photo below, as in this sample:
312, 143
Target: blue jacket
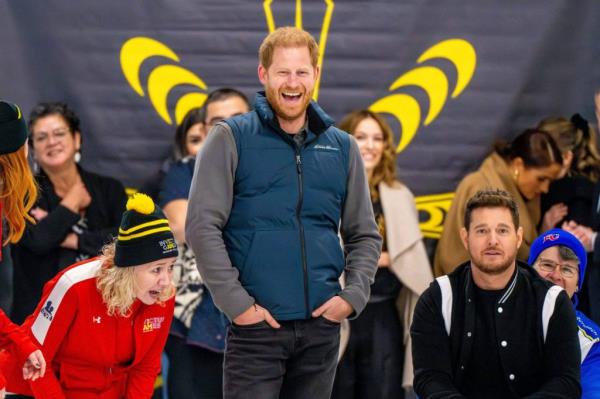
589, 340
295, 245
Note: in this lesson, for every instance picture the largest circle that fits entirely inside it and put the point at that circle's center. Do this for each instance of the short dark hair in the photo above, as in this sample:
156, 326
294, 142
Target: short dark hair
491, 198
223, 94
193, 117
44, 109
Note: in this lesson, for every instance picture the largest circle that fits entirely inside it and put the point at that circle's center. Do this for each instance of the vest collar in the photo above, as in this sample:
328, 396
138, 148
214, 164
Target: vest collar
318, 120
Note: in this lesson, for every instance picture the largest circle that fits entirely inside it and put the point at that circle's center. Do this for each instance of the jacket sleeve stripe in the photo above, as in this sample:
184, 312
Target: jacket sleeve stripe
446, 289
43, 321
585, 343
548, 308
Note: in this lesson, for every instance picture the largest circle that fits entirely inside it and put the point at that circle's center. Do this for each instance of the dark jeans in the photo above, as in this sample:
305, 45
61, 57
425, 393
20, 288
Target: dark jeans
194, 372
296, 361
372, 365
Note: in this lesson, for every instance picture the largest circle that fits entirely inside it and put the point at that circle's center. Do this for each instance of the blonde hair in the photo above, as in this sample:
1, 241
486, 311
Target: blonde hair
385, 171
18, 193
117, 284
571, 137
287, 37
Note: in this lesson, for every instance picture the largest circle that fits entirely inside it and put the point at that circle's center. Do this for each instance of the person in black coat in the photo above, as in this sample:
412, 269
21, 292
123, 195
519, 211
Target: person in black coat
573, 199
76, 213
570, 197
494, 328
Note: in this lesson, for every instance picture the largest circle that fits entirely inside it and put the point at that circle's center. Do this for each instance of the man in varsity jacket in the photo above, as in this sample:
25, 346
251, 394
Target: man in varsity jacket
494, 328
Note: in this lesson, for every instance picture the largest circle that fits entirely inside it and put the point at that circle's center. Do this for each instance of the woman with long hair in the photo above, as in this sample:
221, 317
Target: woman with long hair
102, 323
378, 350
524, 168
17, 195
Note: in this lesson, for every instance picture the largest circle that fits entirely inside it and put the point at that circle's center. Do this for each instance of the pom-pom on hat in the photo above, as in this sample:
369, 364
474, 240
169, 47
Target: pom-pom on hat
13, 129
562, 237
144, 234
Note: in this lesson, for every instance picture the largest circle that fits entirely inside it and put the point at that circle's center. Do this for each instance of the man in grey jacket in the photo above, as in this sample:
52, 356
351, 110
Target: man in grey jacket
271, 190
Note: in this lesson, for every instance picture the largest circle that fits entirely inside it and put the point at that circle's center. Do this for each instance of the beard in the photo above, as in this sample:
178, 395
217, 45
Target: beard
284, 112
491, 268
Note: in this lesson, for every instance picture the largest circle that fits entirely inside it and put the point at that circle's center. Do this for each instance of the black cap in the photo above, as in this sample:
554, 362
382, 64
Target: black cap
13, 129
144, 234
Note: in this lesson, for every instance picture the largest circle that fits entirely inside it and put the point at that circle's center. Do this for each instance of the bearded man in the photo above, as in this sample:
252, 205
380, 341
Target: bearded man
494, 328
270, 192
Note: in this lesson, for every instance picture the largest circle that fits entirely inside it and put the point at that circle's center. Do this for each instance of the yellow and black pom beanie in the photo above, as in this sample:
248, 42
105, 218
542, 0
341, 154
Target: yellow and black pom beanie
144, 234
13, 129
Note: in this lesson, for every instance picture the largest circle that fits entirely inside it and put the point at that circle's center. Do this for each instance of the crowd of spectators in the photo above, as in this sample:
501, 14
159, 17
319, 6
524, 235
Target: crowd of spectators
543, 185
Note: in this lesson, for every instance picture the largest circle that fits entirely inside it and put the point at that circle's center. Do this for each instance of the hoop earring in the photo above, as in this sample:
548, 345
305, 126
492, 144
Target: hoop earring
35, 167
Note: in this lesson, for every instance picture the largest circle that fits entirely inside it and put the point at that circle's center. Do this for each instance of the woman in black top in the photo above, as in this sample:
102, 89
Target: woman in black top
570, 198
76, 212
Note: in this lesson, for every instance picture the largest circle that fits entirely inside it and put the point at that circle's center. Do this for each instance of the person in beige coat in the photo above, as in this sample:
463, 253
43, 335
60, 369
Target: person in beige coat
377, 360
524, 168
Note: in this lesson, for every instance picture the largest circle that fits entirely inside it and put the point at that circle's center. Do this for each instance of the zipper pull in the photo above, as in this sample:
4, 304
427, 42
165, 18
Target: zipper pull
299, 163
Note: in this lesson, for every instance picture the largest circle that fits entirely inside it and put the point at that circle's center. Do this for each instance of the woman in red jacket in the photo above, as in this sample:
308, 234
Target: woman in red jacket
17, 195
102, 323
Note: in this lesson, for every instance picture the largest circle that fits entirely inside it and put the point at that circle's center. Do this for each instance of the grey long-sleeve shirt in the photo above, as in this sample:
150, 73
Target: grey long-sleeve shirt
209, 206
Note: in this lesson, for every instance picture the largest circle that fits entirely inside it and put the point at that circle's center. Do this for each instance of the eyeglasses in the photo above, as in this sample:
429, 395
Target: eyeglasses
57, 134
566, 270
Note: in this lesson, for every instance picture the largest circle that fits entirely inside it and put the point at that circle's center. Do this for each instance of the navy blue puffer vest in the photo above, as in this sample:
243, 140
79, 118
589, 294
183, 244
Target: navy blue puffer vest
282, 233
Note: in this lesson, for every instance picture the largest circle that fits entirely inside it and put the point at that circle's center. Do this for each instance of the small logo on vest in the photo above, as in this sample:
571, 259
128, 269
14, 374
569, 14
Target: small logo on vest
96, 319
326, 148
551, 237
153, 323
168, 245
47, 310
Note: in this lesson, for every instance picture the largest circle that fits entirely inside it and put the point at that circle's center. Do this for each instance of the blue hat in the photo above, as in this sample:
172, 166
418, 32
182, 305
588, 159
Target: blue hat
555, 237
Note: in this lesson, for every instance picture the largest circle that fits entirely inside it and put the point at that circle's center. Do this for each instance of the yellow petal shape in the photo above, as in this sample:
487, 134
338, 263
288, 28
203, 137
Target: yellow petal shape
430, 79
160, 82
135, 51
404, 108
461, 53
187, 103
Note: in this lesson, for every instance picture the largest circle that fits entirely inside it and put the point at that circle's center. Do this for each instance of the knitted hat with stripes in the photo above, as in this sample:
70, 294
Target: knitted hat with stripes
144, 234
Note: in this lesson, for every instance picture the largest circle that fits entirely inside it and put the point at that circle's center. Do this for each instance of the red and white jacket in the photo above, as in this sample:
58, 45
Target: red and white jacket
90, 354
12, 335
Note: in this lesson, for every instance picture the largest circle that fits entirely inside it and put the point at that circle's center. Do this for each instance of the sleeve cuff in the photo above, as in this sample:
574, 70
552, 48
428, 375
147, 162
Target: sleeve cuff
355, 299
236, 305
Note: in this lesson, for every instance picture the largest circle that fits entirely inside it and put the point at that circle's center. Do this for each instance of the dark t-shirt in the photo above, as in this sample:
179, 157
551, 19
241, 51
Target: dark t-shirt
484, 377
386, 285
177, 181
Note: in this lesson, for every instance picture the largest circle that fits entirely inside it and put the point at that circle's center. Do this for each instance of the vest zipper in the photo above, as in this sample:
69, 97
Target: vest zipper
302, 239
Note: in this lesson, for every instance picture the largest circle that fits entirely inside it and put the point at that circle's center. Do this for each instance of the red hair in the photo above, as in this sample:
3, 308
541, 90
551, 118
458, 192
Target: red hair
18, 193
